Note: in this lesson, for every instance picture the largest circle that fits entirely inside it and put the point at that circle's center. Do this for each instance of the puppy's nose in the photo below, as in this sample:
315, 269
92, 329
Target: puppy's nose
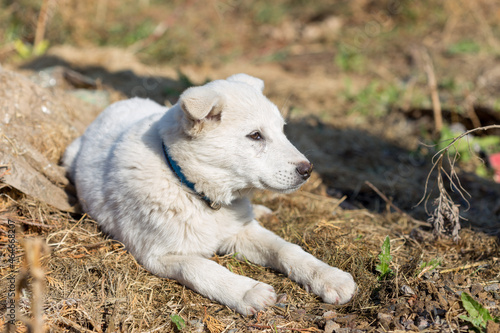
304, 169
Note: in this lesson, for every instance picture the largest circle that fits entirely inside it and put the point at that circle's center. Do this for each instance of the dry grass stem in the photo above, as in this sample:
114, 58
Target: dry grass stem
42, 21
34, 250
432, 82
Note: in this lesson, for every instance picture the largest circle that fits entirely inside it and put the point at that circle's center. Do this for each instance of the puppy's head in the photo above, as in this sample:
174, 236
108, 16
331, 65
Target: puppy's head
235, 137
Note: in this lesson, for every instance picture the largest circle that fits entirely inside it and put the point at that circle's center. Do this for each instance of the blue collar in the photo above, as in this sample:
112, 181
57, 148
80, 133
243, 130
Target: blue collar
178, 172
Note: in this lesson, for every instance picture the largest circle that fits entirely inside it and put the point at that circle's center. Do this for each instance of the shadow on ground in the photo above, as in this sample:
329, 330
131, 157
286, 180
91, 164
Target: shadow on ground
347, 158
127, 82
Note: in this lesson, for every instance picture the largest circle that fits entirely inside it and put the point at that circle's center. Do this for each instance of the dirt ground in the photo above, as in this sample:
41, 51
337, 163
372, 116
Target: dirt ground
355, 83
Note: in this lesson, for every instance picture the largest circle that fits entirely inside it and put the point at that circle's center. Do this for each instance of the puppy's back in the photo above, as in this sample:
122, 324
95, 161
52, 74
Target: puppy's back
86, 158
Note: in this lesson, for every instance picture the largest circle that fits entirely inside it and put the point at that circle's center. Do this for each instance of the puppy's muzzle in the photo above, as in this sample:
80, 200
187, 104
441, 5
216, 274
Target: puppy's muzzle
304, 169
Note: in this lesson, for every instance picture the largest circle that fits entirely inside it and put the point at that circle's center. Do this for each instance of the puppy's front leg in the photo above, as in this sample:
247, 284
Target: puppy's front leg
208, 278
263, 247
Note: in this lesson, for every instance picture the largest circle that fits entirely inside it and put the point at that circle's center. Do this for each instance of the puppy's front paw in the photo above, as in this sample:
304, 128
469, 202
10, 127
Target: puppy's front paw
334, 286
259, 297
259, 211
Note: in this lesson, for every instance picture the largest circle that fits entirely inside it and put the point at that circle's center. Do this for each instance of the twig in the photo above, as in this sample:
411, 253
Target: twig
461, 268
97, 245
384, 197
469, 107
42, 22
40, 225
74, 325
432, 82
389, 202
424, 270
267, 327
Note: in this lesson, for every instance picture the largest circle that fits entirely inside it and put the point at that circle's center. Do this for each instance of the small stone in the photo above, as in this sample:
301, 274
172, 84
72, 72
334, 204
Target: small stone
197, 325
344, 330
331, 326
328, 315
459, 279
281, 298
492, 287
347, 319
491, 304
422, 323
385, 319
408, 324
301, 312
476, 289
407, 291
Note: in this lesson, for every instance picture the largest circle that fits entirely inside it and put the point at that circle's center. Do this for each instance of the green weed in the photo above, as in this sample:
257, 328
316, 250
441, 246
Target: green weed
385, 260
464, 47
426, 266
465, 150
478, 315
376, 99
27, 51
178, 321
350, 59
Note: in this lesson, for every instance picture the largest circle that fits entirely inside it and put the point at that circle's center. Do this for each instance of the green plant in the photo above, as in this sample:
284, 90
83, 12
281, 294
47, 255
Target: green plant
375, 99
178, 321
478, 315
464, 149
428, 266
385, 259
350, 59
235, 261
488, 144
463, 47
26, 51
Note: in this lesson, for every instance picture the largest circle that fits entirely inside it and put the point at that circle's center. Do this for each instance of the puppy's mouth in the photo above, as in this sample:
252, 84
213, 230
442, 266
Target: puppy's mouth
285, 190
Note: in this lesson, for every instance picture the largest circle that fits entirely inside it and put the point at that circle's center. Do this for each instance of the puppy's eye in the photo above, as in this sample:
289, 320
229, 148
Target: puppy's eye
255, 136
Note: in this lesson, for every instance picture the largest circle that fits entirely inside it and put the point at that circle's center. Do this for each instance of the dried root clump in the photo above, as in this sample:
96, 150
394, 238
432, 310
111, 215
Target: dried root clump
445, 218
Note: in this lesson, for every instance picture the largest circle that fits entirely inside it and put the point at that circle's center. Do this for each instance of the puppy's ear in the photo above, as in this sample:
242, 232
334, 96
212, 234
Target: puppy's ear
200, 103
245, 78
202, 107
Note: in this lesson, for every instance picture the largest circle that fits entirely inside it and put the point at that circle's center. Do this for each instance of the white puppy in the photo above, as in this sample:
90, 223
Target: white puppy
172, 185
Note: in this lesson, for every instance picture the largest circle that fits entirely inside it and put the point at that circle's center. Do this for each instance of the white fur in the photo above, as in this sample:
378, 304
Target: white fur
124, 182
